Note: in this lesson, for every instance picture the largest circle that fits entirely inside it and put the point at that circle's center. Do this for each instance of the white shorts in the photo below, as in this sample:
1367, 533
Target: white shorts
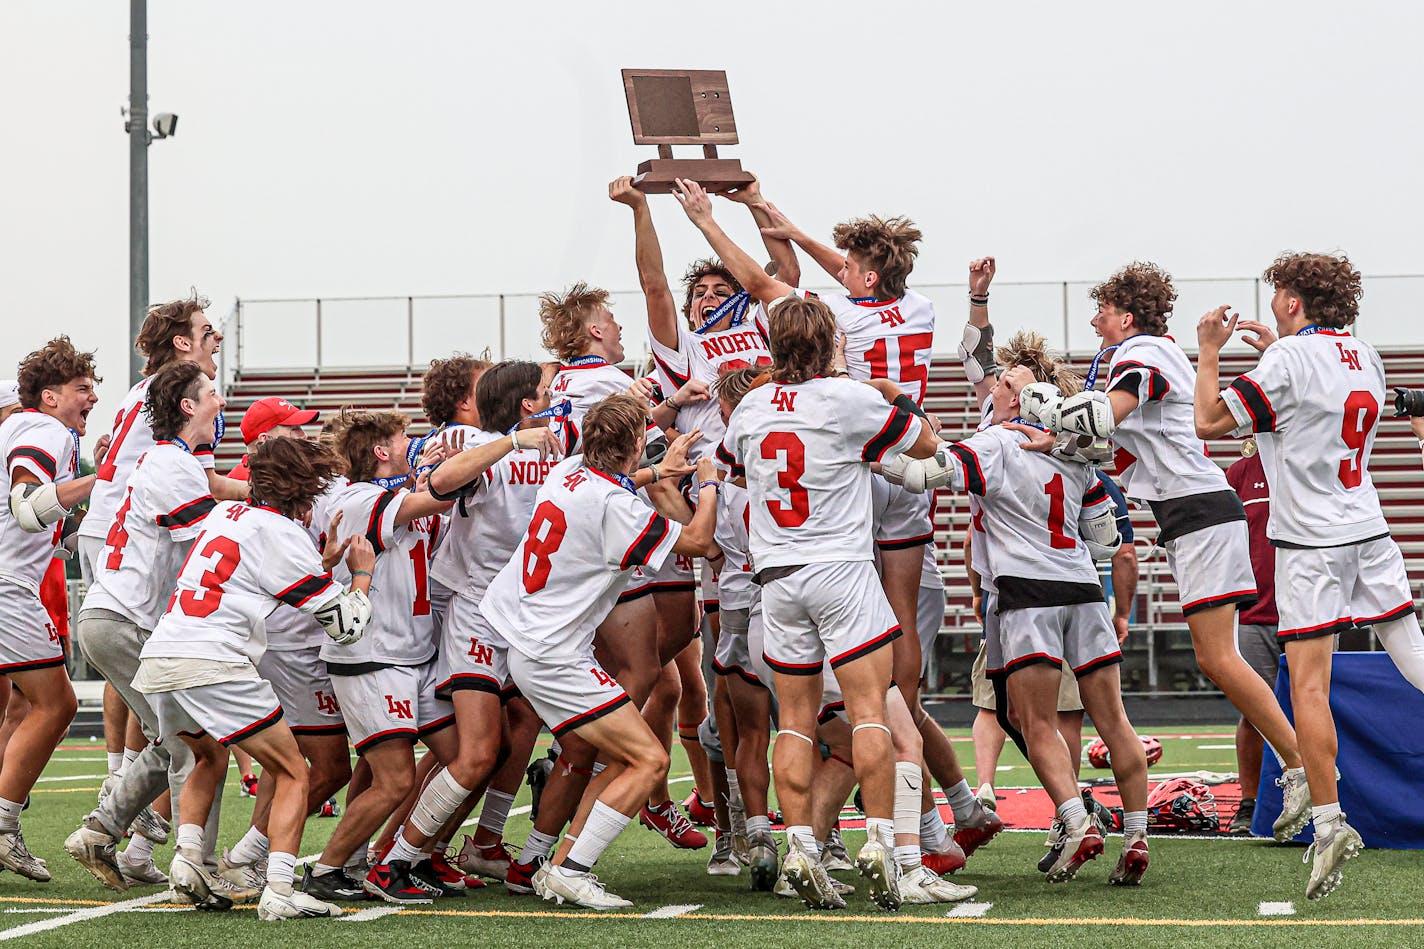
676, 575
303, 687
929, 617
734, 656
756, 645
709, 587
397, 702
1212, 567
28, 639
1080, 635
1324, 591
901, 518
834, 611
230, 711
567, 693
440, 597
472, 654
640, 584
993, 641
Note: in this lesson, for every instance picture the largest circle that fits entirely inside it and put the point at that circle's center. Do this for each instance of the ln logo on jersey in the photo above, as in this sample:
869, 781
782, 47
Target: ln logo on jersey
574, 480
784, 401
399, 709
890, 316
482, 654
1350, 357
327, 704
561, 384
236, 511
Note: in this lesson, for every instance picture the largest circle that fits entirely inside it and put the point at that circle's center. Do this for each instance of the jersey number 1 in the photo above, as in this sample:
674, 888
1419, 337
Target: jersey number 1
1057, 539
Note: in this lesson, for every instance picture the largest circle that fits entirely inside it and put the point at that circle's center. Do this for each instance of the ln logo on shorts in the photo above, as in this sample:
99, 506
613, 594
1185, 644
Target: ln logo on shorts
398, 709
327, 704
482, 654
604, 679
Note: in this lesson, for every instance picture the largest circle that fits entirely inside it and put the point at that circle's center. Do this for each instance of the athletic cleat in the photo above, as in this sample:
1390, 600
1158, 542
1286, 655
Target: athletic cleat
274, 906
392, 882
922, 885
764, 861
1102, 815
723, 862
987, 797
151, 824
737, 817
453, 875
142, 874
975, 831
669, 821
699, 811
1241, 823
1054, 843
192, 880
1330, 854
1079, 846
491, 862
520, 878
942, 863
784, 889
537, 776
93, 848
808, 879
251, 876
248, 785
1295, 806
358, 867
234, 891
580, 889
1132, 865
834, 856
427, 875
329, 809
14, 855
876, 863
336, 885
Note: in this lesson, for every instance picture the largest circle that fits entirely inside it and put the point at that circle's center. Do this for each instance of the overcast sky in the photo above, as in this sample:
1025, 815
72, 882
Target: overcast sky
354, 148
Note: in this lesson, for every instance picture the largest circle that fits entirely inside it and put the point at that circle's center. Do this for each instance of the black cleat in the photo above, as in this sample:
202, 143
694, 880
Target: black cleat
336, 886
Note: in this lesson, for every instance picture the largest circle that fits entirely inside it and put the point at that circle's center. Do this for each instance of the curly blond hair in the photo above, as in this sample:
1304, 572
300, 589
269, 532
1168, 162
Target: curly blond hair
566, 317
1031, 351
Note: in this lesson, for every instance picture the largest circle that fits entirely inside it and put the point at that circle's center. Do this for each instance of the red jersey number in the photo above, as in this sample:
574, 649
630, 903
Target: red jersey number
546, 533
1361, 413
204, 601
118, 536
913, 376
1057, 539
122, 424
795, 513
421, 606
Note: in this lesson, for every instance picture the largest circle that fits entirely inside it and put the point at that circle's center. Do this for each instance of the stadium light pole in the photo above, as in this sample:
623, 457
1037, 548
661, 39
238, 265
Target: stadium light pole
164, 125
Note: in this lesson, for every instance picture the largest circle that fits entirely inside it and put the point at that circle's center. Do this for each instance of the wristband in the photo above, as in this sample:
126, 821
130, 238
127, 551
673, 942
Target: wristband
717, 485
360, 573
657, 475
903, 401
979, 299
672, 405
514, 439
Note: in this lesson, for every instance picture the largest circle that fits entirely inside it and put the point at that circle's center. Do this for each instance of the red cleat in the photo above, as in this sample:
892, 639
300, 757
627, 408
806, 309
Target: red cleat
519, 879
978, 830
1132, 865
699, 811
943, 864
669, 821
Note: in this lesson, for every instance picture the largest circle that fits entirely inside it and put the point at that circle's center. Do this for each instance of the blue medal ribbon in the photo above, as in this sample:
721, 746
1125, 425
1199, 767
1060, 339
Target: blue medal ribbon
74, 434
1090, 381
736, 304
559, 410
591, 359
182, 444
627, 482
1309, 330
219, 426
391, 484
863, 300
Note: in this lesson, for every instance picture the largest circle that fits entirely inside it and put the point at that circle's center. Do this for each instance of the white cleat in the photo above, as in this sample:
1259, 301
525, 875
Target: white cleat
491, 862
835, 857
1330, 853
808, 879
876, 863
580, 889
1295, 806
295, 904
921, 885
244, 876
141, 874
95, 852
1080, 845
14, 855
192, 881
986, 796
723, 862
151, 824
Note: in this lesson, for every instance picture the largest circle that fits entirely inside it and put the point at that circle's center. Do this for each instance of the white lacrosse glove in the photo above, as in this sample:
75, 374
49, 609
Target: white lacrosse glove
1039, 402
1087, 413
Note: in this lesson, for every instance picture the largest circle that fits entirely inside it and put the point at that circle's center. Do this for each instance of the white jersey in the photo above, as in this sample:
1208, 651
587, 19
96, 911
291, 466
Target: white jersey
1159, 457
584, 384
1029, 509
735, 590
806, 451
576, 556
41, 445
450, 564
290, 629
130, 440
888, 339
248, 558
165, 503
401, 632
1314, 402
488, 525
706, 357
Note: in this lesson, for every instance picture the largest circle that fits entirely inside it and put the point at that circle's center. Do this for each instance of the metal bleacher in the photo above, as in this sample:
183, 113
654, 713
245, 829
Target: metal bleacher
1158, 654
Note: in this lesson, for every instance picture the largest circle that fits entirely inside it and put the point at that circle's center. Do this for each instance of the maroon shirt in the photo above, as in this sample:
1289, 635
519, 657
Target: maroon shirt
1248, 478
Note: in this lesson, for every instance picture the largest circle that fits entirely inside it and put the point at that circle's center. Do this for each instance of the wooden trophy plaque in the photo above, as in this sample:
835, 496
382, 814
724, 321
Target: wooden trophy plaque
683, 107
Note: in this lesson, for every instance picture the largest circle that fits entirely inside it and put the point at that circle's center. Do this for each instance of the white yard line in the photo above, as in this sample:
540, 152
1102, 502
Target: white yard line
74, 777
1276, 909
672, 912
1231, 747
83, 915
969, 909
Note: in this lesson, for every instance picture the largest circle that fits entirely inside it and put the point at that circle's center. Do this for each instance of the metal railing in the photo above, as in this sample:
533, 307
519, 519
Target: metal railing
337, 332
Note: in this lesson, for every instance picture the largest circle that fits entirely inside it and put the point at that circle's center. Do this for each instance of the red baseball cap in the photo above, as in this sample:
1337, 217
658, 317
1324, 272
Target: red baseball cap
266, 414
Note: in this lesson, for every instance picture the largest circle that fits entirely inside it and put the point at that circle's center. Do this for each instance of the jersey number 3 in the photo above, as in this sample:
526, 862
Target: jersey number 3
795, 513
204, 601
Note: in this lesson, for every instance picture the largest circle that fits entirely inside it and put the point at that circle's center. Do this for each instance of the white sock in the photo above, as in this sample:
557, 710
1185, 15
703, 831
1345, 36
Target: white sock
251, 848
10, 814
961, 800
758, 824
1072, 812
1134, 821
933, 834
281, 867
495, 812
800, 833
538, 845
603, 825
139, 850
404, 850
318, 869
1404, 642
907, 799
442, 796
116, 761
907, 858
1325, 816
880, 828
190, 839
129, 755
